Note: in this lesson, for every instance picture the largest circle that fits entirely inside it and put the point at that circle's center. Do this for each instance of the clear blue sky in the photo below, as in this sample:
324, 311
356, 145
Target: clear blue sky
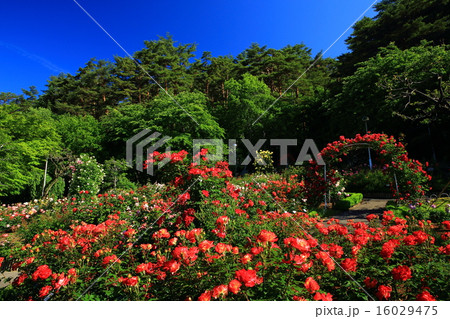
43, 38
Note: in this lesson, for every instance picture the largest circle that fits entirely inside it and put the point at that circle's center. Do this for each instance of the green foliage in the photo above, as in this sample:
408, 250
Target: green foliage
116, 175
349, 200
79, 134
436, 211
183, 120
26, 138
405, 22
263, 162
89, 91
247, 100
87, 176
367, 181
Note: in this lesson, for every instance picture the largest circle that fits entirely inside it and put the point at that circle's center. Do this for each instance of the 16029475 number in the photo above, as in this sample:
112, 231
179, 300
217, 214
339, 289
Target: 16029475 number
406, 310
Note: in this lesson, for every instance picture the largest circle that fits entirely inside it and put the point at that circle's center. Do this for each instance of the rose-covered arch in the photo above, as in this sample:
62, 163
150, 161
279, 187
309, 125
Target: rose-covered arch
392, 156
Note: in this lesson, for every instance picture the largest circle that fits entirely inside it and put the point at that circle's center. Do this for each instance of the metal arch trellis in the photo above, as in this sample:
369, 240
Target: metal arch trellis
357, 146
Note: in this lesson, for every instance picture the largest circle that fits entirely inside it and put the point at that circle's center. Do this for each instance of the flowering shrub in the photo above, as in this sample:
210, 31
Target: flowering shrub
263, 162
410, 175
13, 216
220, 240
87, 175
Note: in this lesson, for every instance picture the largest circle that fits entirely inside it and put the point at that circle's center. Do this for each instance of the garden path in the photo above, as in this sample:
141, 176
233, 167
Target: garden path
359, 212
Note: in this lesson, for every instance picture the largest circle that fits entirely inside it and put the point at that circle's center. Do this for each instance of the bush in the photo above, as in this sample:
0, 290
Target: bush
347, 202
423, 210
368, 181
88, 175
204, 236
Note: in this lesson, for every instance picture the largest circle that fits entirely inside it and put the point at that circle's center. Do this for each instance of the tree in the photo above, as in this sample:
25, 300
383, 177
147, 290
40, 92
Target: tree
401, 91
79, 134
26, 139
405, 22
248, 99
89, 91
167, 64
184, 120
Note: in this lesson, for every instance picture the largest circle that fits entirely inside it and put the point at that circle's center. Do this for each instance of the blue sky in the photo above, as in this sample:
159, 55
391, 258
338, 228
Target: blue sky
43, 38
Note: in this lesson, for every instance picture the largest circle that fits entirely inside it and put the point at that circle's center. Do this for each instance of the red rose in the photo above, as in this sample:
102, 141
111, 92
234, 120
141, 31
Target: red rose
248, 277
256, 250
220, 291
130, 232
425, 296
323, 297
61, 281
205, 193
336, 251
206, 296
267, 236
297, 243
206, 245
172, 266
234, 286
401, 273
42, 272
246, 258
45, 291
446, 224
349, 264
445, 250
19, 280
221, 248
110, 259
130, 281
222, 220
311, 285
384, 292
388, 248
297, 298
410, 240
421, 236
370, 283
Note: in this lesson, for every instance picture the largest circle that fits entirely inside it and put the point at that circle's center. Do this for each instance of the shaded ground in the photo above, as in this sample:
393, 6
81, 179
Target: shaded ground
359, 212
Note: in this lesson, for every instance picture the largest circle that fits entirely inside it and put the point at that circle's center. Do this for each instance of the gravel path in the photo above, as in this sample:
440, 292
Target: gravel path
7, 277
359, 212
